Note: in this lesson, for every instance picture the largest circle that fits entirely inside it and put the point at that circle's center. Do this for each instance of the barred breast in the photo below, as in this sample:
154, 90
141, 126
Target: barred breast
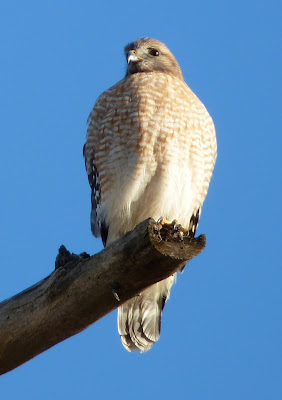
153, 144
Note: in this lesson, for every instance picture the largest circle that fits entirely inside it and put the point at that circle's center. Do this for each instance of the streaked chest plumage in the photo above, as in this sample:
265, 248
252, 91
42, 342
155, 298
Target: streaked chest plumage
153, 144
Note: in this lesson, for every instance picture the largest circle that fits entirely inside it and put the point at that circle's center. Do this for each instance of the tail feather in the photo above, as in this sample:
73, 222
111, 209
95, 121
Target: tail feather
139, 319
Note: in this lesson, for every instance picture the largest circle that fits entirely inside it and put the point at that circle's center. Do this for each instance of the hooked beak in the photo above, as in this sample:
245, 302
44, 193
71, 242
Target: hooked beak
133, 57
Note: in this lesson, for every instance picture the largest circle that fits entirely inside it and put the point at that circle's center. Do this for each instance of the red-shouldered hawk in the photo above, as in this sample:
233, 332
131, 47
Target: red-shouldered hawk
150, 152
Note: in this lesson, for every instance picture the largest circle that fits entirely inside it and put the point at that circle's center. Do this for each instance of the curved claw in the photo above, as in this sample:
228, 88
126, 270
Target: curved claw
175, 228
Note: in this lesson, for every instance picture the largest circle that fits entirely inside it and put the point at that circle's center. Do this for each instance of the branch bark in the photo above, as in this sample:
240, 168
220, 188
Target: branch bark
83, 289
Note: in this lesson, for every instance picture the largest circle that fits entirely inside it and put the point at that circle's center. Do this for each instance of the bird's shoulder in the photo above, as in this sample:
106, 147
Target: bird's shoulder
137, 84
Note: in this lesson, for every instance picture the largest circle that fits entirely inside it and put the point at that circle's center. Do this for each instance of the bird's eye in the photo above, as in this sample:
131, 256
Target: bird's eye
154, 52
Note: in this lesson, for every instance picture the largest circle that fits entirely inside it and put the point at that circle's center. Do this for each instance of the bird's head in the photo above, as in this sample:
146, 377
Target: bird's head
148, 55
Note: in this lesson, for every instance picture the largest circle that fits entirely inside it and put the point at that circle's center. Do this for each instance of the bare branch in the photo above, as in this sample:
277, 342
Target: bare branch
82, 290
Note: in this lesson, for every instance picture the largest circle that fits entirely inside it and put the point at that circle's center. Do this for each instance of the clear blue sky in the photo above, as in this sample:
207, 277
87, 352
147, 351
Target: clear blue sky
220, 333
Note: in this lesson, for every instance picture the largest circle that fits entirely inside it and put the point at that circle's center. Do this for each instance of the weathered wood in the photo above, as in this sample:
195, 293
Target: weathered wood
83, 290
